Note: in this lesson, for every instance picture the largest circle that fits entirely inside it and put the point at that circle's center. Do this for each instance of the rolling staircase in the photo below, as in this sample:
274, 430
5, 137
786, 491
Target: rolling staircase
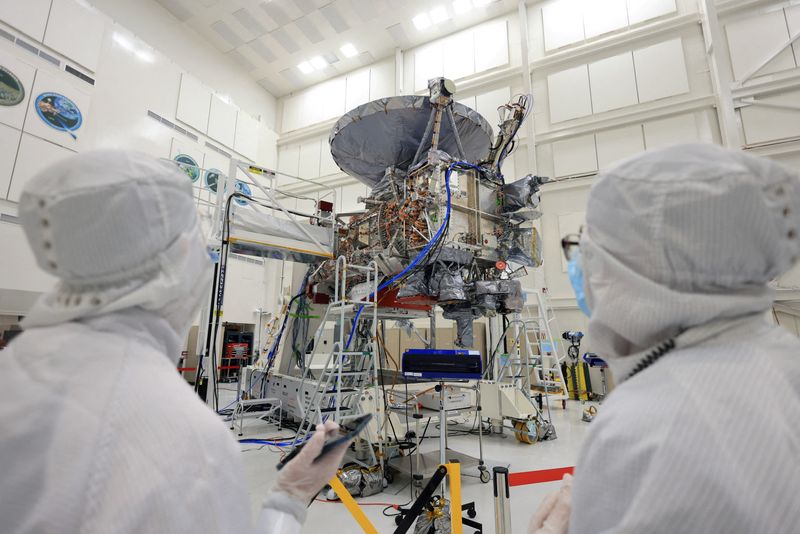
337, 391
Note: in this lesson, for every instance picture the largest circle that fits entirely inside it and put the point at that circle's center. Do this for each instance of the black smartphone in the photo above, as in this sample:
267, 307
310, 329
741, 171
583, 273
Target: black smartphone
360, 424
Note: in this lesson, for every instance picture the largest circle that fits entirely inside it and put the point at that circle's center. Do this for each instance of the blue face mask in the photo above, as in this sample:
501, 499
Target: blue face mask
575, 273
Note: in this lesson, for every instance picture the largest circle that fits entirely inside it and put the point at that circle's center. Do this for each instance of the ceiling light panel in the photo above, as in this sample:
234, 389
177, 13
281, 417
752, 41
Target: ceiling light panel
438, 14
421, 21
318, 62
462, 6
305, 67
481, 3
348, 50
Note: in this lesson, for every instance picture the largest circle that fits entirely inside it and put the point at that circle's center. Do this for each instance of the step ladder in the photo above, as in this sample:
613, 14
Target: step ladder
339, 387
538, 332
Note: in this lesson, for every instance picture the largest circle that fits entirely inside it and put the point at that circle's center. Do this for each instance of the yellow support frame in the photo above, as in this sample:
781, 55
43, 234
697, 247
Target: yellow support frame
453, 474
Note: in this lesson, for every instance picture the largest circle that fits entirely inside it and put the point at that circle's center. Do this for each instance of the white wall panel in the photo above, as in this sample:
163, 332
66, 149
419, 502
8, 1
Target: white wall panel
575, 156
326, 164
487, 104
51, 81
613, 83
563, 23
752, 40
289, 160
459, 49
15, 115
670, 131
661, 70
222, 121
357, 91
332, 100
308, 167
603, 16
428, 63
348, 195
491, 45
194, 103
75, 31
246, 139
30, 19
468, 101
34, 155
568, 94
615, 145
642, 10
763, 124
381, 80
9, 143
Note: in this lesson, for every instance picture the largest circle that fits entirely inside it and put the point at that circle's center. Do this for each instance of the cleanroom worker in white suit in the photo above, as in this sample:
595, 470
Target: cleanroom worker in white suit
99, 431
702, 433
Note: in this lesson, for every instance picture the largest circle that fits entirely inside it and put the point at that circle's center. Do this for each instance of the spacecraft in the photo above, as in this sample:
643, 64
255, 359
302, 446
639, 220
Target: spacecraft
444, 225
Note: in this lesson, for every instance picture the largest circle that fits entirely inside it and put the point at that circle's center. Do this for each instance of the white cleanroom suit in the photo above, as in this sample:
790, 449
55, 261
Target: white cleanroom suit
702, 433
99, 431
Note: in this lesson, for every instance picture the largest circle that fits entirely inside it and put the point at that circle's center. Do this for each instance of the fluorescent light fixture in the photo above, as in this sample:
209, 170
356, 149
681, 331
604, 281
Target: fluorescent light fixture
438, 14
348, 50
123, 41
462, 6
145, 56
305, 67
421, 21
318, 62
481, 3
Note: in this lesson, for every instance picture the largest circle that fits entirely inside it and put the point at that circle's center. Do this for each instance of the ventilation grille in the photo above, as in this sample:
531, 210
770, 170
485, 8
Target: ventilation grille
33, 50
218, 150
5, 217
79, 74
169, 124
247, 259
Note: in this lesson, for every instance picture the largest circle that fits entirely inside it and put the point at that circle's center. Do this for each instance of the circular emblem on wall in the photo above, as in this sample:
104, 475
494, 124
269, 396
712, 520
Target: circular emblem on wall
12, 92
59, 112
189, 166
212, 179
243, 188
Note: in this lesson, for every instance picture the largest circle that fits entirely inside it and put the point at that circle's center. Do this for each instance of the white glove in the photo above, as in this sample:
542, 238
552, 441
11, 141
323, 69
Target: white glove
552, 517
302, 477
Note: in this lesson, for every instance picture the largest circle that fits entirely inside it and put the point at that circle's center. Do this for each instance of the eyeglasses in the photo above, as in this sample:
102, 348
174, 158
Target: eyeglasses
571, 245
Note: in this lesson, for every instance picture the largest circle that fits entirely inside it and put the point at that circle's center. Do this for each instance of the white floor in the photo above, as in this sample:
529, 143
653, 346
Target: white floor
498, 450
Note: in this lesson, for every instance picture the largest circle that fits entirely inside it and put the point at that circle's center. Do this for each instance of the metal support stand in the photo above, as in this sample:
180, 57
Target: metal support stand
502, 503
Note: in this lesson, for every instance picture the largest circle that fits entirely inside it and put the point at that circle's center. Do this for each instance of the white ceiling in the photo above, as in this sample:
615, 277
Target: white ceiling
270, 38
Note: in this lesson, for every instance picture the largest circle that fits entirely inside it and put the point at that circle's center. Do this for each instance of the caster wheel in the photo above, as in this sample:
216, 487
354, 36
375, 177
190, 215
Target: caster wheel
472, 514
485, 476
563, 404
389, 477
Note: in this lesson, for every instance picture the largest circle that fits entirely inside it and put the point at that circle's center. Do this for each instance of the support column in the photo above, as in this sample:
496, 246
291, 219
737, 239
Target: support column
527, 83
721, 78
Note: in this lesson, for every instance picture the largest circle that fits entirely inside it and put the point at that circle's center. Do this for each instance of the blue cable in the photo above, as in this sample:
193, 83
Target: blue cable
424, 251
273, 443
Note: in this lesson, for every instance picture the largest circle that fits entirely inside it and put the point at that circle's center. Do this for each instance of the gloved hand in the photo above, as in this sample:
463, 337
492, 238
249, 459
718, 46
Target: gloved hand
552, 517
302, 477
